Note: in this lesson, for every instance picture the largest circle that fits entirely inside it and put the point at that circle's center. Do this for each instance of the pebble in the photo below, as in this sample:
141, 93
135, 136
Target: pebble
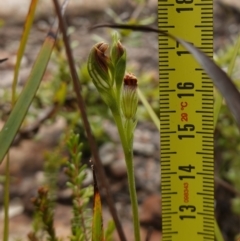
147, 174
150, 212
231, 3
15, 208
107, 153
145, 149
89, 178
118, 168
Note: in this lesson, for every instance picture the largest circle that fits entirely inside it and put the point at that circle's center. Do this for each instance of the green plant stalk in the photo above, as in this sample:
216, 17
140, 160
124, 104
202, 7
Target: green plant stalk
149, 109
217, 106
218, 233
6, 201
130, 172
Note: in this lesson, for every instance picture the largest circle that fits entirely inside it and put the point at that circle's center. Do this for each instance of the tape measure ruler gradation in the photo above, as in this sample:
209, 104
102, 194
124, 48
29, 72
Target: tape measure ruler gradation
186, 117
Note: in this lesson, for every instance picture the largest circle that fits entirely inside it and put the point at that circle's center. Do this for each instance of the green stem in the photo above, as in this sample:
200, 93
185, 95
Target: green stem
133, 195
6, 200
149, 109
128, 153
218, 233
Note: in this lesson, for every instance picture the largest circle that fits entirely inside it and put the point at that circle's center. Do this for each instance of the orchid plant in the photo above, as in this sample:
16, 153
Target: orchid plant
119, 91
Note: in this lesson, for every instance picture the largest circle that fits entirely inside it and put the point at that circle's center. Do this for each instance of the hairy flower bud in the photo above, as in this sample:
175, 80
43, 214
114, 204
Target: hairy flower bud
117, 51
118, 58
129, 96
98, 67
100, 56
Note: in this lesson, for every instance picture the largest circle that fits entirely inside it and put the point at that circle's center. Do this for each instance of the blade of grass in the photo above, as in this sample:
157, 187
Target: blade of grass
27, 27
20, 109
218, 233
218, 97
97, 224
149, 109
220, 79
21, 49
6, 200
217, 106
234, 57
77, 88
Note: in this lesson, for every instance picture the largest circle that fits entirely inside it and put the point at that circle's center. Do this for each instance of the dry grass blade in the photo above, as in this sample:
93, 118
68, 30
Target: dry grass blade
97, 224
20, 109
220, 79
21, 49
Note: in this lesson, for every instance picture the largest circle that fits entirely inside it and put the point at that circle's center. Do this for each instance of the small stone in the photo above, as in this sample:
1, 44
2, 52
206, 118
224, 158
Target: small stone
231, 3
89, 178
15, 208
141, 148
150, 212
118, 168
65, 194
6, 78
12, 59
147, 174
107, 153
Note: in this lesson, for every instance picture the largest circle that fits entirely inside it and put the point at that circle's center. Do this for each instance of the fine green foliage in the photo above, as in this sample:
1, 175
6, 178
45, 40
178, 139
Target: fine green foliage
53, 162
47, 195
43, 205
76, 172
109, 231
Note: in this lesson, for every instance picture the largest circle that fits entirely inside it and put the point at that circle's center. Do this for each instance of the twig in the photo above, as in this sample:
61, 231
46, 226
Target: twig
77, 87
149, 234
2, 60
227, 186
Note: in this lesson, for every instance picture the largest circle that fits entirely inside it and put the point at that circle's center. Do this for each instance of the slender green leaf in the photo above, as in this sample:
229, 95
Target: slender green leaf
27, 28
220, 79
109, 231
217, 105
20, 109
218, 233
218, 97
97, 223
149, 109
6, 201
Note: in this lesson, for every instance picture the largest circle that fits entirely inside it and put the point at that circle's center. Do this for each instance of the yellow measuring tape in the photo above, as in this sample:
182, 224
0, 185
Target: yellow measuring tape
186, 117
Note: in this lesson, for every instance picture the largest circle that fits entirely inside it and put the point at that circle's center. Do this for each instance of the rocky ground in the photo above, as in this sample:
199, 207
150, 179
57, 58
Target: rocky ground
27, 158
